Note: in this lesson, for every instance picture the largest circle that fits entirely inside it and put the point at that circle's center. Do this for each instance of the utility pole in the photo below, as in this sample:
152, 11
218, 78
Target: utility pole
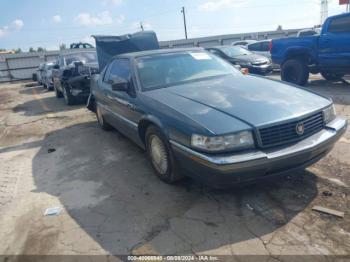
141, 26
184, 16
324, 11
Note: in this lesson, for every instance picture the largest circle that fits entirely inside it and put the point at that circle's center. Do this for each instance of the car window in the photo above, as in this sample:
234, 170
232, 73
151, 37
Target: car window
215, 52
234, 51
241, 43
61, 61
158, 71
265, 46
307, 33
85, 57
340, 25
254, 47
118, 69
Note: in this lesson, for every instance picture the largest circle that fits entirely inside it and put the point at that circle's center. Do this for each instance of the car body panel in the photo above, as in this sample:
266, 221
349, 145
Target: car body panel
256, 100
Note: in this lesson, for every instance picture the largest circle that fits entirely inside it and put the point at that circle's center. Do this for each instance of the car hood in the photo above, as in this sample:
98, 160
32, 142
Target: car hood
255, 101
250, 58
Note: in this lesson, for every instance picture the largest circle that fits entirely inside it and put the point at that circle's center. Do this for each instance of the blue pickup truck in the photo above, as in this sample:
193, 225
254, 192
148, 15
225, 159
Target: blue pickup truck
327, 53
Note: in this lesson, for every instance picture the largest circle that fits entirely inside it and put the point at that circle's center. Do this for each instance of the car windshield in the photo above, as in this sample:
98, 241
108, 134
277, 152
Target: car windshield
233, 51
163, 70
85, 57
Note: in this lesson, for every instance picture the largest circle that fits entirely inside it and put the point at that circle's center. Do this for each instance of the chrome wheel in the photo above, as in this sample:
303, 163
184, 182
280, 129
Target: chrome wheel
158, 155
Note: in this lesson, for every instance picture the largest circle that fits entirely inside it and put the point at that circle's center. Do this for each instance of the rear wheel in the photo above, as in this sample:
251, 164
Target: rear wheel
101, 120
334, 77
295, 71
161, 156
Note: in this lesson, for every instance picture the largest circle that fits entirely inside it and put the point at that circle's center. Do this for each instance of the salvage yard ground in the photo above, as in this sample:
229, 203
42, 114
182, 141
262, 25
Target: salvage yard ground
56, 155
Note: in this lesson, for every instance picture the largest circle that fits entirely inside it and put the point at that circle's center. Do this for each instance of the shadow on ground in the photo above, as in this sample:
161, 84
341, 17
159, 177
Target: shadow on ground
107, 186
43, 105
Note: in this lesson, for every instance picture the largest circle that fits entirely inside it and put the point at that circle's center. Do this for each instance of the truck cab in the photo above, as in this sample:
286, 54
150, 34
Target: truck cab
327, 53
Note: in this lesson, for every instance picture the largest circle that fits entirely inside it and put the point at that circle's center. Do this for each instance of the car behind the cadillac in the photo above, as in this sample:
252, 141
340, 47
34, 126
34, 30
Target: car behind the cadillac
197, 115
71, 75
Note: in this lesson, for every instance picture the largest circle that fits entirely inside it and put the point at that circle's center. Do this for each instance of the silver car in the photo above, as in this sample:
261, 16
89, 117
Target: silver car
46, 75
262, 48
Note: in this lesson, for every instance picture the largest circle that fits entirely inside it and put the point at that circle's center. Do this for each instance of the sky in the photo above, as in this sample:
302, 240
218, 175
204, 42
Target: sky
34, 23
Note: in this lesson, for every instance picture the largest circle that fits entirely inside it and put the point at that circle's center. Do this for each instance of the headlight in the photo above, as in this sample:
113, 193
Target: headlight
243, 64
241, 140
329, 114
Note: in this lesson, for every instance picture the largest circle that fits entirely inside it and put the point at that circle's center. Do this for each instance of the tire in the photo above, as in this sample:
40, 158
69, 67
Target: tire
68, 97
57, 92
50, 86
161, 156
295, 71
333, 77
101, 120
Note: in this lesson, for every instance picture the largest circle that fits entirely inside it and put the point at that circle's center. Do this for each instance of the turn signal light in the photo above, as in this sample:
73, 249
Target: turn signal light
245, 71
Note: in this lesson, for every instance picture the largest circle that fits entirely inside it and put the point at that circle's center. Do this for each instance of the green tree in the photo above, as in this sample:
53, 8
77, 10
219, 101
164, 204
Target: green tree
41, 49
18, 50
2, 49
63, 47
31, 50
279, 28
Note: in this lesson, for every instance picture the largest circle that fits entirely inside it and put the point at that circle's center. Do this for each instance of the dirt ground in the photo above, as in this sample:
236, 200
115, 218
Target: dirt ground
112, 203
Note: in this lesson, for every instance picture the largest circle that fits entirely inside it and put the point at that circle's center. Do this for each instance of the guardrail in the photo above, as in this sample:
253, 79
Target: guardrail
14, 67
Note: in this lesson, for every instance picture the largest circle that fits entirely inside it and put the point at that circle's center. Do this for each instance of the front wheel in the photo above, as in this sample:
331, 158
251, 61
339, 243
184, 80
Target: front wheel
295, 71
333, 77
161, 156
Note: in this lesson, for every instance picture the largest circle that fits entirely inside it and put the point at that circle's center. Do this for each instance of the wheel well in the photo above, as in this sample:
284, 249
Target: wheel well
143, 125
303, 56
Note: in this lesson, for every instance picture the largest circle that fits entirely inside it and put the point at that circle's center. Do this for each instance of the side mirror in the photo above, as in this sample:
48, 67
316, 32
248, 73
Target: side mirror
56, 67
120, 85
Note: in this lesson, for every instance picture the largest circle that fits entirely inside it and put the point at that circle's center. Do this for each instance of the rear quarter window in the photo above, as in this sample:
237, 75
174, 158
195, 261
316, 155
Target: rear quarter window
340, 25
255, 47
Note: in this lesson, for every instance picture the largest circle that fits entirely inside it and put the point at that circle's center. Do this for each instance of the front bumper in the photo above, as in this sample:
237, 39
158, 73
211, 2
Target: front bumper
260, 69
224, 170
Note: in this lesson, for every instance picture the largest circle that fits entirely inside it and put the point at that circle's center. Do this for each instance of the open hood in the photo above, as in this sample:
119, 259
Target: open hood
109, 46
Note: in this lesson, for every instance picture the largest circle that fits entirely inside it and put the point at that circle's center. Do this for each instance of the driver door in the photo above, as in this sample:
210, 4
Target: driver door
122, 104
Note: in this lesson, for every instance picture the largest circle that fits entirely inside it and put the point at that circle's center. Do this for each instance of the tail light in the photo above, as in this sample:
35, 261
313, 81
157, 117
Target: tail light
270, 45
245, 71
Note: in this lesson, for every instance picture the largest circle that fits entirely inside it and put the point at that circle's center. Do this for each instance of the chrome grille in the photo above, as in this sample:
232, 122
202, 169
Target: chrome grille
286, 133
